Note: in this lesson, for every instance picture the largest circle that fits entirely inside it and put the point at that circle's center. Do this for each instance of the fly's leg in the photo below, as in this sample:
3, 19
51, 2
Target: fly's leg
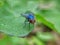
25, 23
29, 25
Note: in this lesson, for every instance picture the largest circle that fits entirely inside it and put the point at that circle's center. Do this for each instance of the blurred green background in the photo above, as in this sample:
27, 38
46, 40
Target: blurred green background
45, 31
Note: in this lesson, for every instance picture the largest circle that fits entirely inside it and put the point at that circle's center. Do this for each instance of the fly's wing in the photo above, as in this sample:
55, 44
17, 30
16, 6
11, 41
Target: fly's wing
24, 15
29, 12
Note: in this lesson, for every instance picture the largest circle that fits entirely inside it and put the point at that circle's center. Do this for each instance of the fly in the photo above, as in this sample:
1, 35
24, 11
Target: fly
29, 18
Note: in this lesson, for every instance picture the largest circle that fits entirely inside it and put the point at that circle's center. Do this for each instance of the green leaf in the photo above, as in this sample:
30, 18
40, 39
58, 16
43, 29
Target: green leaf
36, 41
19, 41
50, 18
5, 40
11, 21
45, 36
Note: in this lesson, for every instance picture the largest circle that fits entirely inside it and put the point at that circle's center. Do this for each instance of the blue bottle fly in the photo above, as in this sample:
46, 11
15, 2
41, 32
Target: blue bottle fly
29, 18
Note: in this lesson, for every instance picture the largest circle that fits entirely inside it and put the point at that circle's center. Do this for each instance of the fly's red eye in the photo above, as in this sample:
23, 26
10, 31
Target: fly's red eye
32, 21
